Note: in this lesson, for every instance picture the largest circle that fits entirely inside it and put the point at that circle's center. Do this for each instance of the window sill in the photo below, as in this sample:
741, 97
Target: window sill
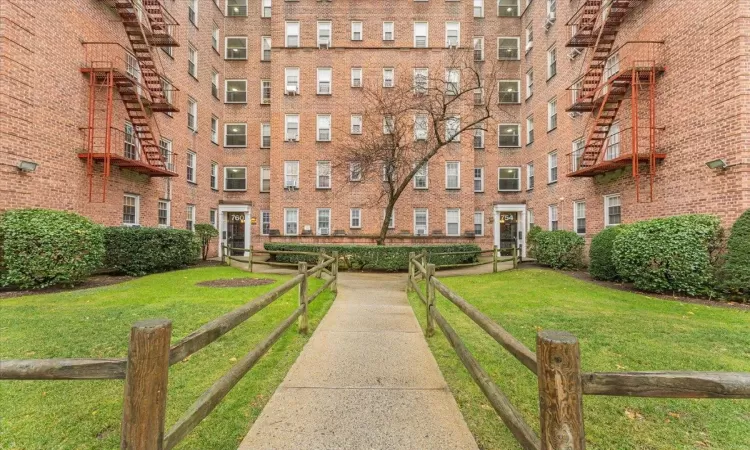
453, 189
235, 103
192, 182
234, 59
265, 192
502, 146
235, 190
550, 183
551, 130
193, 76
322, 188
528, 144
507, 191
235, 147
550, 78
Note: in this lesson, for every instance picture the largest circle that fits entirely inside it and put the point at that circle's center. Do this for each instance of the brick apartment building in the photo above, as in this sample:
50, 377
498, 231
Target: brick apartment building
176, 112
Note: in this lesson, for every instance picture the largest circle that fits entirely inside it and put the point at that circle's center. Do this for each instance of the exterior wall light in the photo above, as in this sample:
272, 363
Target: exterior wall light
27, 166
721, 164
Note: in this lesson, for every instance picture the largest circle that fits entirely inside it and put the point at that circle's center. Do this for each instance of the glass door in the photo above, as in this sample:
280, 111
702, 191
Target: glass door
508, 232
235, 234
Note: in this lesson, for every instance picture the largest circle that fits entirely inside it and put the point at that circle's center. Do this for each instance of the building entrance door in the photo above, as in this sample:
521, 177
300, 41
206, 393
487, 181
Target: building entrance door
236, 232
508, 230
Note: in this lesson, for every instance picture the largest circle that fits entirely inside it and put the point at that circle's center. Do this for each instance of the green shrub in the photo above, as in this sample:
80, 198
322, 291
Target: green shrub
378, 258
558, 249
41, 247
735, 274
601, 265
531, 239
669, 255
205, 232
139, 251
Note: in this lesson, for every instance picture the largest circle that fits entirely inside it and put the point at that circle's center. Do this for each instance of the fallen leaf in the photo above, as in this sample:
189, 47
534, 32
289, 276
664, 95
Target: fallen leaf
633, 414
673, 414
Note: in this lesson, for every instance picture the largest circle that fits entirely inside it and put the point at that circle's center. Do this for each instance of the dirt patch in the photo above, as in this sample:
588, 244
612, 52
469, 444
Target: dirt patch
236, 282
94, 281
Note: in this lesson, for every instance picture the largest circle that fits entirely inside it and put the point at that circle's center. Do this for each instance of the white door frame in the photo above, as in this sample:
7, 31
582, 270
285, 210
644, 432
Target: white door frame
519, 208
223, 209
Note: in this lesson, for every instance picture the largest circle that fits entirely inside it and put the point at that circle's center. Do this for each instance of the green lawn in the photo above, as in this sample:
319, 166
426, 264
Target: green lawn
95, 323
618, 331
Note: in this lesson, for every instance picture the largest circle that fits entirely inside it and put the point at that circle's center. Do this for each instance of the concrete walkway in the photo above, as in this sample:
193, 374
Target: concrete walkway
365, 380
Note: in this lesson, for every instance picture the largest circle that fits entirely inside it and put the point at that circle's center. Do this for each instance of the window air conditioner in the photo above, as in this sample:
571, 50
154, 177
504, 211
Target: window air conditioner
324, 232
323, 45
452, 46
421, 232
574, 114
573, 54
291, 90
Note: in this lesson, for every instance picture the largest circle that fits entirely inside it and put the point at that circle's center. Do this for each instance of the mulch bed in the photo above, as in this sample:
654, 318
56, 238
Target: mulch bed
236, 282
94, 281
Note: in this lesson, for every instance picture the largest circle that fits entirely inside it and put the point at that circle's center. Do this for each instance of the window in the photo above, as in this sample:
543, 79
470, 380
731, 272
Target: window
453, 222
235, 178
356, 124
552, 167
235, 91
235, 135
190, 217
235, 48
265, 222
237, 8
291, 80
509, 135
212, 217
165, 148
478, 48
215, 37
324, 80
507, 48
214, 181
388, 125
479, 96
420, 127
389, 172
420, 82
355, 172
478, 138
452, 34
529, 83
291, 221
421, 178
529, 130
530, 219
478, 223
192, 61
478, 8
612, 210
452, 81
265, 179
551, 63
356, 77
510, 91
579, 217
453, 175
355, 218
613, 142
323, 175
529, 176
612, 66
391, 219
265, 92
291, 35
193, 12
191, 165
131, 206
452, 129
265, 48
266, 8
130, 145
577, 154
552, 114
388, 31
215, 84
324, 34
164, 213
291, 127
529, 37
551, 8
265, 135
388, 77
356, 31
291, 174
420, 221
553, 224
214, 129
479, 179
323, 221
421, 34
509, 179
324, 128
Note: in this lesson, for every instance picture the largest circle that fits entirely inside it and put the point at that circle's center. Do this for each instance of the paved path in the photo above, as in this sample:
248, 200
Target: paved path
365, 380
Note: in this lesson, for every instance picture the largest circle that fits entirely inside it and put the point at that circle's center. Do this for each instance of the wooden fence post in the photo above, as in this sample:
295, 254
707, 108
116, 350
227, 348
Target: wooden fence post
494, 259
302, 268
223, 253
411, 271
145, 400
430, 300
321, 258
335, 271
515, 257
560, 391
424, 262
250, 259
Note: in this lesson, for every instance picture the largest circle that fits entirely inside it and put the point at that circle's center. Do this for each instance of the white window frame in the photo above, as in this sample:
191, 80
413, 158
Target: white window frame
318, 229
322, 41
389, 82
355, 121
226, 135
448, 223
478, 43
287, 222
192, 113
265, 175
453, 129
214, 180
238, 12
191, 161
355, 172
422, 177
552, 156
552, 114
356, 81
501, 100
517, 56
478, 11
518, 134
607, 220
530, 130
517, 178
479, 178
551, 63
214, 130
507, 5
576, 217
291, 174
529, 34
450, 27
290, 25
289, 119
553, 218
241, 53
418, 211
263, 127
169, 213
479, 214
448, 175
325, 74
192, 61
320, 173
265, 222
478, 133
421, 127
137, 210
289, 85
265, 45
612, 147
529, 83
319, 121
355, 213
266, 9
190, 216
263, 99
577, 152
530, 176
227, 178
226, 91
389, 27
357, 27
426, 34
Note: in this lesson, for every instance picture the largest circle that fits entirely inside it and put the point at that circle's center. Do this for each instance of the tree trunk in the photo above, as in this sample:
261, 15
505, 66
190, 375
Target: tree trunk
386, 222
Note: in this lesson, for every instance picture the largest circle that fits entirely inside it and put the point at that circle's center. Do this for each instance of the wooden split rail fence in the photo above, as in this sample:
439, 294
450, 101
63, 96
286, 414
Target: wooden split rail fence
252, 253
424, 257
146, 367
557, 366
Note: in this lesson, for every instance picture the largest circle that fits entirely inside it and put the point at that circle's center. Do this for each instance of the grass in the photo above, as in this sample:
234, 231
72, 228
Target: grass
618, 331
95, 323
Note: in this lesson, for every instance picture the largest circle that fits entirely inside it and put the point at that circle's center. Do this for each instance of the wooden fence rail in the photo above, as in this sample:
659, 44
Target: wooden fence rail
557, 366
146, 368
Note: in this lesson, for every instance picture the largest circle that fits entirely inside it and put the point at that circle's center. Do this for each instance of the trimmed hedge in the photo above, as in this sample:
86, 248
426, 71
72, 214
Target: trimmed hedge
670, 254
378, 258
601, 265
139, 251
531, 239
41, 247
558, 249
735, 275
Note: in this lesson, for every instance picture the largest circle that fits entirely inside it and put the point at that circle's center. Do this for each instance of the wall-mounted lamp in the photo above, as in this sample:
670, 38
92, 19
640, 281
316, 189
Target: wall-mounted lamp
27, 166
721, 164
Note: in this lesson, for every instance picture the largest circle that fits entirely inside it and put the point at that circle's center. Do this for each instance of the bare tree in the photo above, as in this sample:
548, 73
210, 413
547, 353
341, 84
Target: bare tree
409, 120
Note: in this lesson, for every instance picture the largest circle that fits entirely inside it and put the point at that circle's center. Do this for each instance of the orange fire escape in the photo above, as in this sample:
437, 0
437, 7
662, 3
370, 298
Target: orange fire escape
134, 75
611, 75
